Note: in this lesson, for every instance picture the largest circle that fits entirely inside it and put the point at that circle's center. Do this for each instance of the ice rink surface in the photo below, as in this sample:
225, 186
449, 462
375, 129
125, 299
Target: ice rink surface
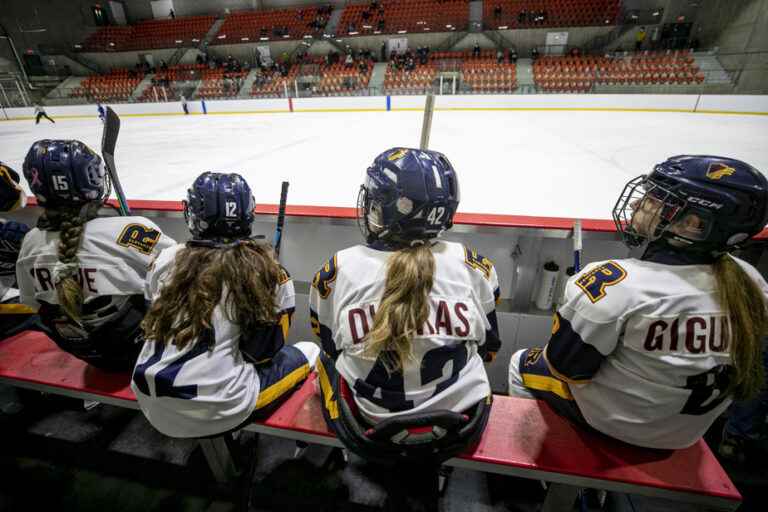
547, 164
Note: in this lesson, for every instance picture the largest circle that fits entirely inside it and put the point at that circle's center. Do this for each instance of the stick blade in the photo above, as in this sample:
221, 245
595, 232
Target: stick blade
111, 131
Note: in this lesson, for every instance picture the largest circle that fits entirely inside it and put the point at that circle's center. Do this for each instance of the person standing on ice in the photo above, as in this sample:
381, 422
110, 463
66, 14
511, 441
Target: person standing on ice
40, 113
184, 105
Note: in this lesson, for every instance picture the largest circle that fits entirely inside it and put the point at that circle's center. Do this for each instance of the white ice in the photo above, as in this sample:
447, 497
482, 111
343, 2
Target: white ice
549, 164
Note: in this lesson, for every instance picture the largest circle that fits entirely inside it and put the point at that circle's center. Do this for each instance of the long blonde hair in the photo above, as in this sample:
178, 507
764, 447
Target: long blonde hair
70, 221
247, 272
404, 306
744, 304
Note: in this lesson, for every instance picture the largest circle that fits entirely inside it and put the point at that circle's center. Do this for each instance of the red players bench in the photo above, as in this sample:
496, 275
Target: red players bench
524, 437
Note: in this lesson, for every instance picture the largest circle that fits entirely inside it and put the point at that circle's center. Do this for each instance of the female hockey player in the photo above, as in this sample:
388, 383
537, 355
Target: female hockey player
85, 273
406, 320
652, 350
215, 355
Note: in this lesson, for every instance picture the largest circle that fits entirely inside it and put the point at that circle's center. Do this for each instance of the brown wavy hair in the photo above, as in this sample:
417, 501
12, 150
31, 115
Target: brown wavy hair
246, 273
404, 306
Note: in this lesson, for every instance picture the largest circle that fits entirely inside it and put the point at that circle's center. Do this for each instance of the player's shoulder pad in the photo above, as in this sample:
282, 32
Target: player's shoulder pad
137, 233
607, 289
165, 258
478, 262
325, 276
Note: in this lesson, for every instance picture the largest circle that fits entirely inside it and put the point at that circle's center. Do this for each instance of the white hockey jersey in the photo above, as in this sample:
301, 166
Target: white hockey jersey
448, 372
645, 349
113, 258
209, 386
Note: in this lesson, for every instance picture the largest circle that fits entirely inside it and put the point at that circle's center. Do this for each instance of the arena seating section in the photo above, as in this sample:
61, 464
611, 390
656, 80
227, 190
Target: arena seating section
556, 13
339, 80
150, 34
271, 84
108, 39
118, 85
484, 74
401, 81
220, 83
579, 73
175, 75
253, 25
407, 15
672, 67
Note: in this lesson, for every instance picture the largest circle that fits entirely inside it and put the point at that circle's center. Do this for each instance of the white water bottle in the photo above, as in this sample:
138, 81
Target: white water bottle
547, 285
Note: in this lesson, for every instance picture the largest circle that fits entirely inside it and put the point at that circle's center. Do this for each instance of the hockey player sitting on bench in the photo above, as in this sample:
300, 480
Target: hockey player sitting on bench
652, 351
215, 356
406, 320
85, 274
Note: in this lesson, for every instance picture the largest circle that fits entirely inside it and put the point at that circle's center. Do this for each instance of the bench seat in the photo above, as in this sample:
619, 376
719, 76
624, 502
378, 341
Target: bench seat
524, 437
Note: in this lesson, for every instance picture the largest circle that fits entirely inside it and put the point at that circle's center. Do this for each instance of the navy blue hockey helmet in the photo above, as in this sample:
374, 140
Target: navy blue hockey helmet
219, 206
408, 195
65, 172
729, 197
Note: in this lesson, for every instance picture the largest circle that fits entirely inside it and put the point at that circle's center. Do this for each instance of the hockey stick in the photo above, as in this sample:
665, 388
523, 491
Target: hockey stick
426, 127
280, 219
108, 143
577, 245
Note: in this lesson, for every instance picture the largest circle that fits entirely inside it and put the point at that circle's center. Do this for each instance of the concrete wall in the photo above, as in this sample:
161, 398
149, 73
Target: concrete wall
738, 29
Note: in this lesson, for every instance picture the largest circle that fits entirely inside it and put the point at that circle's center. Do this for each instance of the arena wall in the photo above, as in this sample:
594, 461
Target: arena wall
753, 104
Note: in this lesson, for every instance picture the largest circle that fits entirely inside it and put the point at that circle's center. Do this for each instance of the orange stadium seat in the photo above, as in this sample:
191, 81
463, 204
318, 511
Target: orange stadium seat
150, 34
399, 16
549, 13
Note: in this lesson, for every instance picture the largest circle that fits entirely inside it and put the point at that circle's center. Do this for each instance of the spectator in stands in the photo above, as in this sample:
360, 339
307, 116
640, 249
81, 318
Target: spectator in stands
381, 25
476, 50
534, 53
522, 17
349, 60
383, 51
497, 12
172, 14
513, 56
220, 314
83, 273
655, 37
499, 56
639, 39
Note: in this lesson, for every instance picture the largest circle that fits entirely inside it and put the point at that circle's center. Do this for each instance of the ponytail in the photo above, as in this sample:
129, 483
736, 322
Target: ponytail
404, 307
71, 223
744, 304
246, 274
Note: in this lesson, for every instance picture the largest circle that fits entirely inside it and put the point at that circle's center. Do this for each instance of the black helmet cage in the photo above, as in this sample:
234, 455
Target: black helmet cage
670, 208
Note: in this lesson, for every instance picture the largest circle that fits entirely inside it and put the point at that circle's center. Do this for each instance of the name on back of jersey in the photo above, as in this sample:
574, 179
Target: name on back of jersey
689, 334
448, 318
43, 279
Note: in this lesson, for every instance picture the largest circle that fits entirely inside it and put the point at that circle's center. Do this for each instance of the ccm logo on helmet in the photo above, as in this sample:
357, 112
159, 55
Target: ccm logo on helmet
705, 203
